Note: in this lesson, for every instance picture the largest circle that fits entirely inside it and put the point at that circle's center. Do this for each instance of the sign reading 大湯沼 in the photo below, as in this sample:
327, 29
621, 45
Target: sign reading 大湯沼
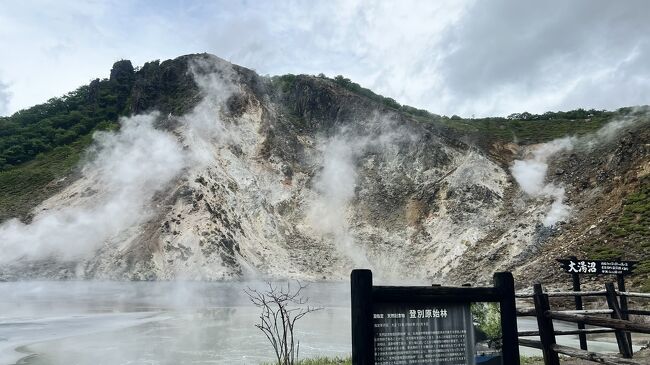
418, 333
577, 268
597, 267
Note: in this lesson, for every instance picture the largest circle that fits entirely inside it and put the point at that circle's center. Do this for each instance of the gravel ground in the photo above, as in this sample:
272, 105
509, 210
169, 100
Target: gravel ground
644, 354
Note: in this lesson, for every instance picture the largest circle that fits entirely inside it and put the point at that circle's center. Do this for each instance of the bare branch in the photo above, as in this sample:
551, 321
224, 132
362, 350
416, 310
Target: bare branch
278, 318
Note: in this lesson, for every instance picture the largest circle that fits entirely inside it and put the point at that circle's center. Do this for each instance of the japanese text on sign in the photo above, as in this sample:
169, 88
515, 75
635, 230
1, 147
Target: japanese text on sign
597, 267
420, 334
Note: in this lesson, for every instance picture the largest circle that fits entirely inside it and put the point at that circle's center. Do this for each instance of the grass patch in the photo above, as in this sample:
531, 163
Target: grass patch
25, 186
321, 361
327, 361
628, 236
525, 131
530, 360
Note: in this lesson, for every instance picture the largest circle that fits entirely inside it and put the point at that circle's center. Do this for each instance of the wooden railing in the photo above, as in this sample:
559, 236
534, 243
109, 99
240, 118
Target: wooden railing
618, 323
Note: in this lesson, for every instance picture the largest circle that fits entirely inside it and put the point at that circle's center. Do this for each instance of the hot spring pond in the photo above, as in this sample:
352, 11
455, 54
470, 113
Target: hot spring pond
113, 323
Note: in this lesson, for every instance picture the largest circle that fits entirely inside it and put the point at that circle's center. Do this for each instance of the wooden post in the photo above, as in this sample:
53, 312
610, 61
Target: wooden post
545, 325
363, 351
578, 305
505, 284
620, 280
621, 338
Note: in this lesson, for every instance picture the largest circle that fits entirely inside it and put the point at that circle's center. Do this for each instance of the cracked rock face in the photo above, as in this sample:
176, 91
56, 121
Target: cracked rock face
307, 182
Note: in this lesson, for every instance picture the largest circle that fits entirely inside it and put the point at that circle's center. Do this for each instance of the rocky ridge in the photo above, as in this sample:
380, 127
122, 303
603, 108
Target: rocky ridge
304, 179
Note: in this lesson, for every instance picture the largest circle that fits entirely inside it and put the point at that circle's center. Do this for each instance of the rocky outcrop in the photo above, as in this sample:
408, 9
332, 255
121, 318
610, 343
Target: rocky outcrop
300, 178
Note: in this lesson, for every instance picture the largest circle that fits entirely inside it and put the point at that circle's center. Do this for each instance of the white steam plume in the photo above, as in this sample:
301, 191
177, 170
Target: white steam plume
530, 173
130, 166
335, 186
127, 168
336, 183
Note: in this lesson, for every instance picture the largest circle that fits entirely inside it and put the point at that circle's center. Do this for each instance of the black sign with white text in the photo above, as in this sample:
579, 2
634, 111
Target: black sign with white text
430, 325
597, 267
420, 334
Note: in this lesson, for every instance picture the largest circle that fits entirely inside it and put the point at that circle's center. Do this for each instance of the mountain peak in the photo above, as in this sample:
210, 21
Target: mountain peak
214, 172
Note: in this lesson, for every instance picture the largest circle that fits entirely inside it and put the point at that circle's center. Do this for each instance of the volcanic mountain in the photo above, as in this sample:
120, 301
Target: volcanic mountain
198, 169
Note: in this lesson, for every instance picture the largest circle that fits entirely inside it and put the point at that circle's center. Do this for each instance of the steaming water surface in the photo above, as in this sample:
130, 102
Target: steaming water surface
111, 323
154, 323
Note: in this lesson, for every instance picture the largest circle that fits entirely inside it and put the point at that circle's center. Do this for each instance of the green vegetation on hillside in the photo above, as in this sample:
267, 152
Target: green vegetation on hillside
24, 186
57, 123
356, 88
41, 144
543, 128
522, 128
284, 82
629, 235
634, 221
63, 121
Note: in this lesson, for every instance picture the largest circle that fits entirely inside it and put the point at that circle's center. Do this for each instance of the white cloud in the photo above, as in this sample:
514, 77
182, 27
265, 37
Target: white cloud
483, 58
509, 56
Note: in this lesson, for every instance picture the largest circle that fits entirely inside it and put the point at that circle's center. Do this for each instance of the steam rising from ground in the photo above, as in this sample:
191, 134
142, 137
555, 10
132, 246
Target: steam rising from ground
126, 169
335, 185
130, 166
530, 173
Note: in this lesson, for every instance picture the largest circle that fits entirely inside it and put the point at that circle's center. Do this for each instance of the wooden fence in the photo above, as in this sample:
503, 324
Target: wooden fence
618, 322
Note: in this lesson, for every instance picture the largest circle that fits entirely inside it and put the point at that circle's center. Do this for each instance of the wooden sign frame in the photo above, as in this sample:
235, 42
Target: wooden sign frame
575, 280
364, 294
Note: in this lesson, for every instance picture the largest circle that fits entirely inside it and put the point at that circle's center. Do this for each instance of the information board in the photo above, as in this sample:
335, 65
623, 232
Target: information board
597, 267
427, 325
417, 334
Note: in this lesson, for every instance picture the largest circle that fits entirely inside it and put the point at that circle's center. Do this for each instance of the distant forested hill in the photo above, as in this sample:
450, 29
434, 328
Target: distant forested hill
39, 146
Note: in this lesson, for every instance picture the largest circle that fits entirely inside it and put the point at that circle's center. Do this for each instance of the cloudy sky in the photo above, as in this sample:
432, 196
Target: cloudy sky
451, 57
